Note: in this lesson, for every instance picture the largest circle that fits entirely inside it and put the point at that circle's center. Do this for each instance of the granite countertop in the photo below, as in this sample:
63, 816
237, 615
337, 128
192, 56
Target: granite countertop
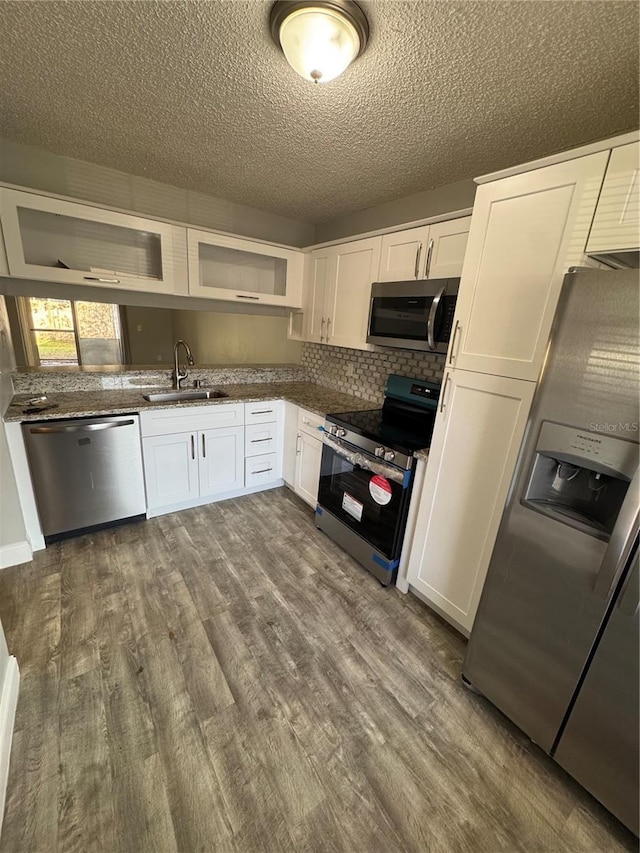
74, 404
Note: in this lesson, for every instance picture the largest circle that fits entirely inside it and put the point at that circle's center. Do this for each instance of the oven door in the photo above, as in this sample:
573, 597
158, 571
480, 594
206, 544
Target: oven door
366, 495
413, 315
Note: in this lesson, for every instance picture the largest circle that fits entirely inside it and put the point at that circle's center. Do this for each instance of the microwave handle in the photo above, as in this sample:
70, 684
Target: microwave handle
432, 319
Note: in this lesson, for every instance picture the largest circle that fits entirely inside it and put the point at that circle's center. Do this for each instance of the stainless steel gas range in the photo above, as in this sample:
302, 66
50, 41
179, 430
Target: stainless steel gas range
366, 474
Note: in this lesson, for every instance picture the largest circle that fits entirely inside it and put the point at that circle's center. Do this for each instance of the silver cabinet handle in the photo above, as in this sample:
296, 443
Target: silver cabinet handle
298, 443
416, 270
41, 430
322, 322
428, 264
262, 412
242, 296
193, 446
621, 542
258, 440
453, 342
432, 318
101, 280
326, 340
444, 391
262, 471
204, 446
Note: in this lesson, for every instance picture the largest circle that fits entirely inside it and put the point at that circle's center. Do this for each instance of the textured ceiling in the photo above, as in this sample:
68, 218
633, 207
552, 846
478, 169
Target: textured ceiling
195, 94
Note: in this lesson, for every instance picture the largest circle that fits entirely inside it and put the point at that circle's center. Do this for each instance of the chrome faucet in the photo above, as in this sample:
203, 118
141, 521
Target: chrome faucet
180, 373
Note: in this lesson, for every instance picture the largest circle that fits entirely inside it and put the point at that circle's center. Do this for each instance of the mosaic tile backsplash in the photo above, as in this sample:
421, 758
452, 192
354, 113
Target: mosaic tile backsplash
364, 374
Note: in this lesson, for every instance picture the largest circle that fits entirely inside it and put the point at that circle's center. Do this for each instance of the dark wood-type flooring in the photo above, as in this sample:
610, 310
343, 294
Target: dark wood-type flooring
227, 679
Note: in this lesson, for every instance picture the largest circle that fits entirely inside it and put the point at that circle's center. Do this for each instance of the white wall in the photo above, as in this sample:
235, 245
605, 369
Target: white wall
43, 170
12, 527
411, 208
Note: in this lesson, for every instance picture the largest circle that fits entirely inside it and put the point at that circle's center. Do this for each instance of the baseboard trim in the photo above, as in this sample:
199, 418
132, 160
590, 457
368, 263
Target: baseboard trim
8, 703
13, 555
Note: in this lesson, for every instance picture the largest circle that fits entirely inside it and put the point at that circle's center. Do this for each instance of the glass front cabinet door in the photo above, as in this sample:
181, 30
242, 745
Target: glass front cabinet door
62, 241
244, 271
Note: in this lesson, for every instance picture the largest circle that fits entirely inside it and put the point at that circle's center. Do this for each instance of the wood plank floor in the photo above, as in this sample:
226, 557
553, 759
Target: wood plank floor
226, 679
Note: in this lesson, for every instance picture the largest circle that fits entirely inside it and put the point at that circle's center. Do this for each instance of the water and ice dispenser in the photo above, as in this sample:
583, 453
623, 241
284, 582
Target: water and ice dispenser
580, 478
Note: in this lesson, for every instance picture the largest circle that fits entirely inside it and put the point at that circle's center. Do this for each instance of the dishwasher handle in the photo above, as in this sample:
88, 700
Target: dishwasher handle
41, 430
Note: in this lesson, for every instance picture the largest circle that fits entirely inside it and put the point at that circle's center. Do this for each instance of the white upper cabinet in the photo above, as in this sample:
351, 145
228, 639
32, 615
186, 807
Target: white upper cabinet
62, 241
431, 251
355, 268
403, 254
448, 244
616, 225
339, 282
321, 265
526, 231
243, 271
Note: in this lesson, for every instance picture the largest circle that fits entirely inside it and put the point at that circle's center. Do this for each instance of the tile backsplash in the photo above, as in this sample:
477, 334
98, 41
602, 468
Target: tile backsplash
364, 373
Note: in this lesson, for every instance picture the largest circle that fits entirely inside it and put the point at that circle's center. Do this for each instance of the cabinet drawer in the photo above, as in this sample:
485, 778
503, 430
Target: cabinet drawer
167, 421
262, 412
310, 423
260, 470
260, 439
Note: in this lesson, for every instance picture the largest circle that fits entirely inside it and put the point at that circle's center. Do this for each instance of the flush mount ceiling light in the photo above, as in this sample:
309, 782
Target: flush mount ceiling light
319, 38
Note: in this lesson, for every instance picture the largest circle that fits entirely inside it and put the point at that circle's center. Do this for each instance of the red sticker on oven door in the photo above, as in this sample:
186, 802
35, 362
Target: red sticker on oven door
380, 489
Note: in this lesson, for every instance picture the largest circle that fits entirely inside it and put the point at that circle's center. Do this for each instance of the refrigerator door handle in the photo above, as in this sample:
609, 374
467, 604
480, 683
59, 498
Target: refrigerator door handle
621, 542
628, 604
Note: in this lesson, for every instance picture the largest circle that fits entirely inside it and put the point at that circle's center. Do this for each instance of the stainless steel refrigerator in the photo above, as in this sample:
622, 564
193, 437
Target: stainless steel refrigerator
555, 640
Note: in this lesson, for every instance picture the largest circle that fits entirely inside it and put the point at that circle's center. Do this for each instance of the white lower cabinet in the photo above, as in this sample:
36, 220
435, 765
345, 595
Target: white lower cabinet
221, 465
195, 455
192, 455
308, 456
170, 469
263, 442
475, 445
290, 444
260, 470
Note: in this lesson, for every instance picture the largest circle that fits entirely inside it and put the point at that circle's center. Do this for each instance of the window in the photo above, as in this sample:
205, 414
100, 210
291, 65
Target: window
67, 332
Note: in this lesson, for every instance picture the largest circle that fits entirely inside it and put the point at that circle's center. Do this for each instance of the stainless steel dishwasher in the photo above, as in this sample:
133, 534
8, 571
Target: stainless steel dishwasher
86, 472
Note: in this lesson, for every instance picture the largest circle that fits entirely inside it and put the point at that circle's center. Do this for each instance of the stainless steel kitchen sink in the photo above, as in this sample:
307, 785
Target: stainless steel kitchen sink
181, 396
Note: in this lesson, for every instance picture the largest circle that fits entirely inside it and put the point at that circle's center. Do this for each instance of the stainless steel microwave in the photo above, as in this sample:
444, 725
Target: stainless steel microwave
413, 314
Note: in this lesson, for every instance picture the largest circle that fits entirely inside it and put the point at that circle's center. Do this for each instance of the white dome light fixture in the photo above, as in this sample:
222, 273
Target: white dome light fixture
319, 38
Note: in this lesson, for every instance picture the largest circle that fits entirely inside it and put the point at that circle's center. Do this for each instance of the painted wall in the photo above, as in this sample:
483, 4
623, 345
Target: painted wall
422, 205
42, 170
12, 529
149, 334
236, 338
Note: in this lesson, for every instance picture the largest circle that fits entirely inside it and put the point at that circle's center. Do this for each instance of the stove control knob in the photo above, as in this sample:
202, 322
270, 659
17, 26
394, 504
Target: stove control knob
340, 432
389, 455
379, 451
333, 429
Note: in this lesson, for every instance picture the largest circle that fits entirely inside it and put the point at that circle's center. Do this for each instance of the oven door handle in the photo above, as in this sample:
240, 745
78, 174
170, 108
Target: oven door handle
359, 460
432, 318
